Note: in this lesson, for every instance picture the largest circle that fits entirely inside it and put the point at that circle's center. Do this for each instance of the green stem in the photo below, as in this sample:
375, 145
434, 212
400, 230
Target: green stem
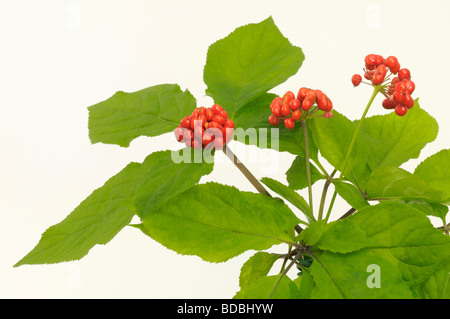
308, 168
355, 134
324, 194
376, 89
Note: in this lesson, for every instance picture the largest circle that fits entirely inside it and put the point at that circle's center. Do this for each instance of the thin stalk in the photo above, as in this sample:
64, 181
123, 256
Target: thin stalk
355, 134
308, 168
324, 194
252, 179
376, 89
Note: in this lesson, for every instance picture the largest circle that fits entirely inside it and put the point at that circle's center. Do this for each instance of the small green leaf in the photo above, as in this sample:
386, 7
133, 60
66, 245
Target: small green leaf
388, 182
296, 174
218, 222
247, 63
96, 220
148, 112
263, 287
255, 267
168, 179
435, 170
351, 195
289, 194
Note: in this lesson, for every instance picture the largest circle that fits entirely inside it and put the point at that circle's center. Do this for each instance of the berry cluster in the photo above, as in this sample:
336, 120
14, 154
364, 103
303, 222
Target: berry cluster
397, 90
205, 128
289, 107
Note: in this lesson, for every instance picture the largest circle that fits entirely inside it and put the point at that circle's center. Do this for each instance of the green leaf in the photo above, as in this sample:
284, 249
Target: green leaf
263, 287
296, 174
96, 220
249, 62
148, 112
430, 209
351, 195
218, 222
253, 128
394, 183
255, 267
392, 140
289, 194
397, 238
438, 285
339, 276
170, 178
435, 170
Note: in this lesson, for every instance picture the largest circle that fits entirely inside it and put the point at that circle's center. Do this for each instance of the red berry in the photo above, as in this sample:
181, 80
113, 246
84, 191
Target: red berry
294, 104
309, 100
201, 110
229, 123
398, 97
356, 79
321, 100
274, 120
388, 104
289, 123
186, 122
302, 94
328, 115
285, 110
209, 114
410, 86
295, 116
219, 119
287, 97
390, 62
400, 110
197, 144
404, 74
400, 87
395, 69
369, 75
379, 74
179, 134
218, 142
207, 138
217, 109
370, 61
408, 101
277, 111
379, 60
188, 134
276, 101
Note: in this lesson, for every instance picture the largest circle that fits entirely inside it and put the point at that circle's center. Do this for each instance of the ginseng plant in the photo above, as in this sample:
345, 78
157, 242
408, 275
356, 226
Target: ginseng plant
384, 246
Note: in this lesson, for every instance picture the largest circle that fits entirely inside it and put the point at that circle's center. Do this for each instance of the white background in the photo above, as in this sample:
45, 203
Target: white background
58, 57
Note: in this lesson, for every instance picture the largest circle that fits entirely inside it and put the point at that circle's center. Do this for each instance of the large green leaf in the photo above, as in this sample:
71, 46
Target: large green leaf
170, 178
392, 140
350, 194
218, 222
388, 182
96, 220
398, 239
247, 63
435, 170
148, 112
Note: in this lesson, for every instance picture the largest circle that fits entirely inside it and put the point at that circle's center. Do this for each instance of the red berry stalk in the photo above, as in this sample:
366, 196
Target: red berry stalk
205, 128
397, 89
291, 109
